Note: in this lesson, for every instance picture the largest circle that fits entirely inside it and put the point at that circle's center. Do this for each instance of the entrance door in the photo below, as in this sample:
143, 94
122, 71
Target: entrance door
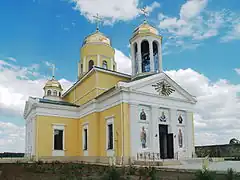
170, 151
163, 131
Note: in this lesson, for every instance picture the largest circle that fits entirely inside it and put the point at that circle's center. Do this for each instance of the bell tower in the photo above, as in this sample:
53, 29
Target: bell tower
146, 50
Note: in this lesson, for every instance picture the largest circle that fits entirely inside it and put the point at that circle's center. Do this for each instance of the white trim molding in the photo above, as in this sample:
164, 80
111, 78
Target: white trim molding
110, 121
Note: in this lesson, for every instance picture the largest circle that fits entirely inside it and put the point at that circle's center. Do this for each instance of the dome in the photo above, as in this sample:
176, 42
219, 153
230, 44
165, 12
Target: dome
145, 28
97, 37
53, 83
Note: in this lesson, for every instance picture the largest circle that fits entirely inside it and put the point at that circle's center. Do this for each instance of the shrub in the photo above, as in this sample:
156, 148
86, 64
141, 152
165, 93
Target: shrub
112, 174
205, 175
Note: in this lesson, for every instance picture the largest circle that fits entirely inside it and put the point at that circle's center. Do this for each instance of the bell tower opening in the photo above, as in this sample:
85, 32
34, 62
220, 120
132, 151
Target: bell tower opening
155, 56
145, 56
146, 51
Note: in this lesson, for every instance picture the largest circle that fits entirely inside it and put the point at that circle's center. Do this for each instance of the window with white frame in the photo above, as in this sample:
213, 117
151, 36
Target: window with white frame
58, 139
110, 134
85, 137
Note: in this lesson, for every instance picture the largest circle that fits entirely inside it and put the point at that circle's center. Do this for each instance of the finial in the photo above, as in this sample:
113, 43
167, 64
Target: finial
98, 20
145, 13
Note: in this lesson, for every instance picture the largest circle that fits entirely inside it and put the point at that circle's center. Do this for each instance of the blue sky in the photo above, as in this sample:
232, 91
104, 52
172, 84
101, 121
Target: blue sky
201, 40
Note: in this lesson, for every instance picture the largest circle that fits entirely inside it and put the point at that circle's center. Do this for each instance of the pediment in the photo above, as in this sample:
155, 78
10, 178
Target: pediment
161, 85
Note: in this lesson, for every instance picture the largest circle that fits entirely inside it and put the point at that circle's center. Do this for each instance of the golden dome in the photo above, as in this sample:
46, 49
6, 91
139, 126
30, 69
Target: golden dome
52, 83
97, 37
145, 28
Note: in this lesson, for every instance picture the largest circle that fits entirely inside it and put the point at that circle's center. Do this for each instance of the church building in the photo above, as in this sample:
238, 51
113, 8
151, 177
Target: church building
106, 113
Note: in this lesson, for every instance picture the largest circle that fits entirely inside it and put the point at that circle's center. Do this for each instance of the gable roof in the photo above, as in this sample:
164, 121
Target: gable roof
96, 68
143, 81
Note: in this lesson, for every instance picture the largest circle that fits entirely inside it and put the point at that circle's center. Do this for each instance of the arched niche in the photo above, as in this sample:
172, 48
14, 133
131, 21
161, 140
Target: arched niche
155, 45
90, 65
49, 93
145, 54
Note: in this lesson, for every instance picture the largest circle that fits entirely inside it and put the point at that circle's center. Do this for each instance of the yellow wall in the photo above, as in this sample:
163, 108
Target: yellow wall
44, 135
95, 84
90, 52
97, 131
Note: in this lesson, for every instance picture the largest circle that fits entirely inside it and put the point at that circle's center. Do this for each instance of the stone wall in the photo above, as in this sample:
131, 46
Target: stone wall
227, 150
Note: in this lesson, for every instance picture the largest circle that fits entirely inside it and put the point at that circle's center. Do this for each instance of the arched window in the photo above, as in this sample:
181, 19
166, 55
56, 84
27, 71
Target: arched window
49, 93
136, 57
155, 56
104, 65
145, 56
55, 93
114, 68
60, 94
90, 65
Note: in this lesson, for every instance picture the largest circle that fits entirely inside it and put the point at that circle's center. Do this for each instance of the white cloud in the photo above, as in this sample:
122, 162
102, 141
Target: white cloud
12, 137
12, 98
196, 23
233, 34
111, 10
192, 8
237, 70
12, 59
123, 62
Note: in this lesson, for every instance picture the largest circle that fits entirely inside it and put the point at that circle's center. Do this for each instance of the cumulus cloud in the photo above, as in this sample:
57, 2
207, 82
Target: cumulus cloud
12, 98
195, 23
12, 137
123, 62
233, 34
111, 10
237, 70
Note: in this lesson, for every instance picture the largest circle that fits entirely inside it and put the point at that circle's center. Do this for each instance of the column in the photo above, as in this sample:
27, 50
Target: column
155, 130
151, 56
139, 57
160, 56
98, 61
173, 125
189, 134
133, 59
84, 64
111, 68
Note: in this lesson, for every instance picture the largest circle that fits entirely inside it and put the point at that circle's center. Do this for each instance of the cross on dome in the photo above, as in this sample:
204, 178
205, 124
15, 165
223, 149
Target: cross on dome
53, 67
145, 12
98, 19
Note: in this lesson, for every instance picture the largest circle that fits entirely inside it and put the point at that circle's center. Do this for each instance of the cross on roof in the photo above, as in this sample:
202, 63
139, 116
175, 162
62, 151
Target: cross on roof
145, 12
98, 19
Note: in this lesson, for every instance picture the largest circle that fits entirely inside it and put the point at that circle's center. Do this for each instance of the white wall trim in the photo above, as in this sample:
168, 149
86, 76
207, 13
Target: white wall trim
110, 120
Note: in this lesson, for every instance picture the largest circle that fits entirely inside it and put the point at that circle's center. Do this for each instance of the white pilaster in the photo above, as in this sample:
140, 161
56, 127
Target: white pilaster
134, 129
139, 57
173, 125
160, 56
84, 64
111, 64
155, 130
98, 61
189, 135
133, 60
151, 56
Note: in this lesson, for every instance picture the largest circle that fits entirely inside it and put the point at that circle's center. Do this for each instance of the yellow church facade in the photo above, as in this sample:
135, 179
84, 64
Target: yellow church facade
108, 113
